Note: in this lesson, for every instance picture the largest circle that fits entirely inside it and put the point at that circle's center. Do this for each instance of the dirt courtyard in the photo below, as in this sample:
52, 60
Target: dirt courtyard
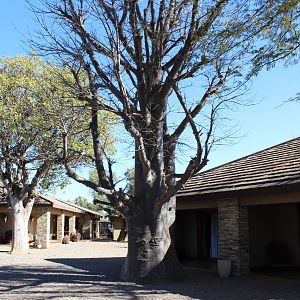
90, 270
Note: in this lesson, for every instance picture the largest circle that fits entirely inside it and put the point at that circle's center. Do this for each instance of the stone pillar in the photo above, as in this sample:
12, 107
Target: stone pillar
244, 240
43, 227
233, 235
72, 223
91, 229
97, 229
60, 227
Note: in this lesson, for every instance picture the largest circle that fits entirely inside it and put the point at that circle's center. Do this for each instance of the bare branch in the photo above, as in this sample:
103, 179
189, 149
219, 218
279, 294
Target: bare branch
211, 90
71, 172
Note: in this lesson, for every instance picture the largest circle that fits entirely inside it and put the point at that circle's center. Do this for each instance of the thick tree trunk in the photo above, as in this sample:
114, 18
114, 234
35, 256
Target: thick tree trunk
20, 217
151, 252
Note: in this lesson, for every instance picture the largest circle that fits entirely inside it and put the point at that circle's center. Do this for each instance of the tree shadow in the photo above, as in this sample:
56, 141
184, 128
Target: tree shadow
107, 268
99, 277
83, 278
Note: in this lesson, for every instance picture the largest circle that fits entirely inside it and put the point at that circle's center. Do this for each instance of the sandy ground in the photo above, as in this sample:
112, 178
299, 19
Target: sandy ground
90, 270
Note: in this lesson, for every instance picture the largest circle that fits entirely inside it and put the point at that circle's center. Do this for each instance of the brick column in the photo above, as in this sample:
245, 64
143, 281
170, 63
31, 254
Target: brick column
233, 234
43, 226
60, 227
72, 223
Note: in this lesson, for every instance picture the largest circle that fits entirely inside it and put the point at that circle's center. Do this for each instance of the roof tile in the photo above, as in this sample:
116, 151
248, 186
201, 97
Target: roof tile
275, 166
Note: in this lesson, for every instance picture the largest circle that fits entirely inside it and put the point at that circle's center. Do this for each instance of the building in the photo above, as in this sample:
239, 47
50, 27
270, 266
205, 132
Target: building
119, 227
51, 219
246, 211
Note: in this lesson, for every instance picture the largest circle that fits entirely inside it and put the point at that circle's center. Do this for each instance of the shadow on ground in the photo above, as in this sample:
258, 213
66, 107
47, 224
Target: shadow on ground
99, 278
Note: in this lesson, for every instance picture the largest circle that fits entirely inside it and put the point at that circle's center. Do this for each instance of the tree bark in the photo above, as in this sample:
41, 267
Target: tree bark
20, 218
151, 252
123, 232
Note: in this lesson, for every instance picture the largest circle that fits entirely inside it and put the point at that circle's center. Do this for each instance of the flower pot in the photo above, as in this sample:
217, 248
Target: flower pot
224, 267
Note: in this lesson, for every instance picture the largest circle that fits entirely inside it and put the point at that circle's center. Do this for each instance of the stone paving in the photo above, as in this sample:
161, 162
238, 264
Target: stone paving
90, 270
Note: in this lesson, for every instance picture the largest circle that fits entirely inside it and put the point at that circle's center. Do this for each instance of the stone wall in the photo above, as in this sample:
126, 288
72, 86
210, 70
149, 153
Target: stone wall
60, 227
97, 229
43, 227
244, 246
72, 223
233, 235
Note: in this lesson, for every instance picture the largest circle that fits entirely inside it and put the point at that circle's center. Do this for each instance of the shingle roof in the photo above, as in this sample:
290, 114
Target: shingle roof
273, 168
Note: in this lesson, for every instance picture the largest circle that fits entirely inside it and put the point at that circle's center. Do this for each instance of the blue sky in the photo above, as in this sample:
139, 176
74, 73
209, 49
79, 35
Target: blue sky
269, 122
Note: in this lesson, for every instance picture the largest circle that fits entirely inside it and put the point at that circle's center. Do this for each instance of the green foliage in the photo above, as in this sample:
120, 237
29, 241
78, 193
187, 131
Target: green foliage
38, 106
129, 175
280, 39
29, 137
83, 202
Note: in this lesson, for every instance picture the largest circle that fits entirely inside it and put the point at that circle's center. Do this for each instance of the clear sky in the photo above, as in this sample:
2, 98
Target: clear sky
269, 122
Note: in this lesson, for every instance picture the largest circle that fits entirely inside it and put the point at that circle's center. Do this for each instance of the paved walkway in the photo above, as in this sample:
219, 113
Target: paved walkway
90, 270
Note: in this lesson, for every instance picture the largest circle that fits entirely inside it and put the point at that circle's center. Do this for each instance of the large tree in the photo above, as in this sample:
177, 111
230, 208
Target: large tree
35, 113
166, 68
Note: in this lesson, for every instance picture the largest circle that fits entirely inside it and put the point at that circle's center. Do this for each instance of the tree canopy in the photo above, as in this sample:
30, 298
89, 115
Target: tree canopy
83, 202
280, 38
36, 111
144, 60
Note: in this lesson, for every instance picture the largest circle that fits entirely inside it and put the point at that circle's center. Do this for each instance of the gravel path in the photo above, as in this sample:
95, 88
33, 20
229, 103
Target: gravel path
90, 270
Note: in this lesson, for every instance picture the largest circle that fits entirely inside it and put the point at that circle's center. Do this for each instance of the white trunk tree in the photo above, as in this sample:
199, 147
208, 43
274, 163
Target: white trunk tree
20, 216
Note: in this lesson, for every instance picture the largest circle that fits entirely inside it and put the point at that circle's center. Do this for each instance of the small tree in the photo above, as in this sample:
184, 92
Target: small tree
143, 57
32, 124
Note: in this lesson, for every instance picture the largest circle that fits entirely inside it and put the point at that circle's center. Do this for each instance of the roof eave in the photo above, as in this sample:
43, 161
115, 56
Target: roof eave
240, 193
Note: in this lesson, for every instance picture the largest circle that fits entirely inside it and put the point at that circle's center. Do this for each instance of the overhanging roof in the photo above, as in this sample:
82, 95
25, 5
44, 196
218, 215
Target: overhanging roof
50, 201
275, 168
57, 203
38, 201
